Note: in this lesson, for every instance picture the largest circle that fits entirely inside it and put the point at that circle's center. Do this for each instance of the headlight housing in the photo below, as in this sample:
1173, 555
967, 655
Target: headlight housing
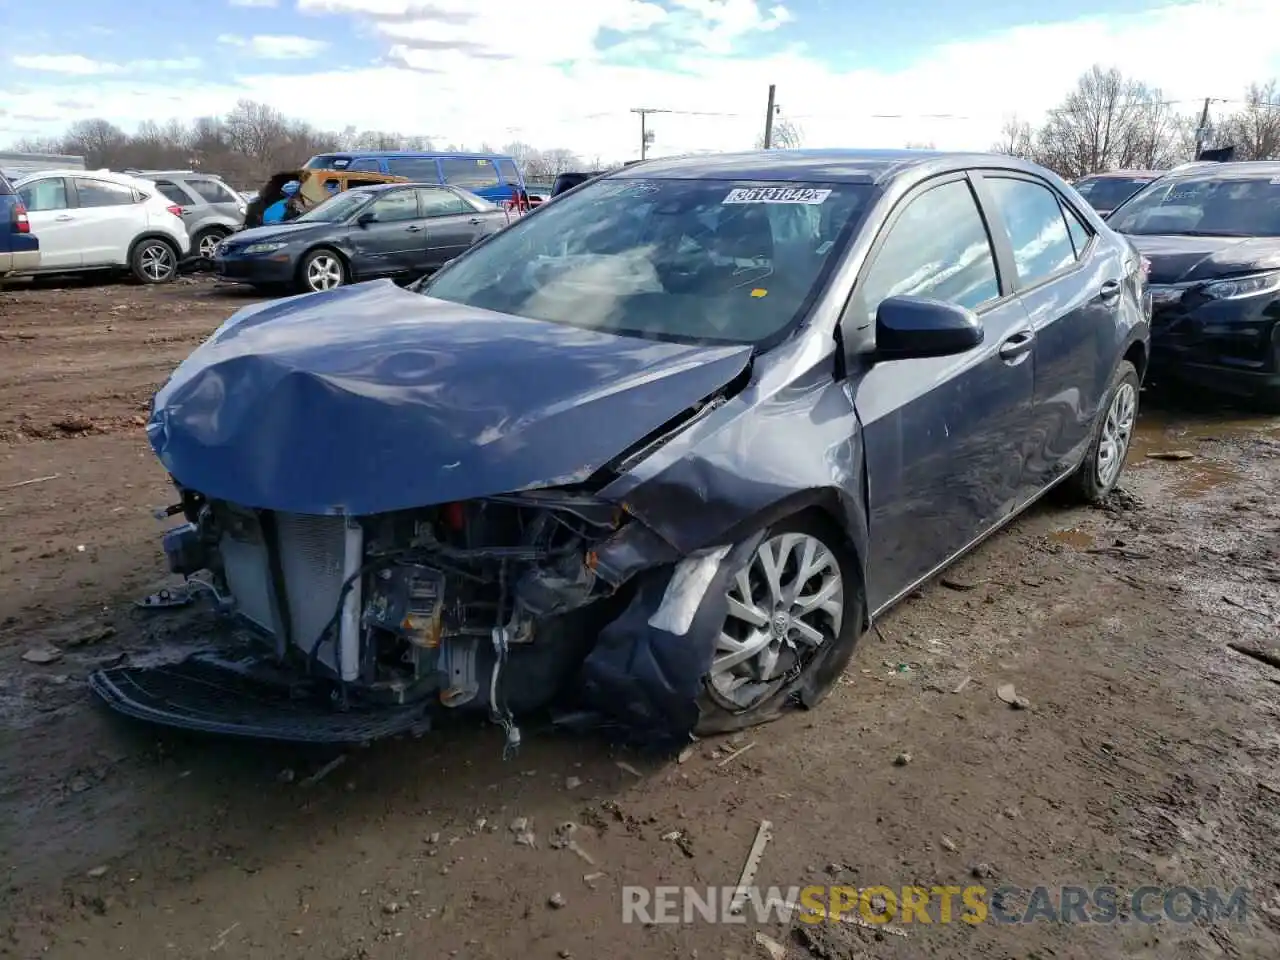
264, 247
1238, 287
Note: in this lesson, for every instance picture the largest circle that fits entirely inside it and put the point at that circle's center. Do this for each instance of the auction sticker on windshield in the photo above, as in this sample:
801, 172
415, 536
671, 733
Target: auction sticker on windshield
807, 195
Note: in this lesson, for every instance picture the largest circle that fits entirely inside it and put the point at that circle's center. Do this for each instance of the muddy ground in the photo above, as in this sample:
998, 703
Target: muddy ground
1149, 752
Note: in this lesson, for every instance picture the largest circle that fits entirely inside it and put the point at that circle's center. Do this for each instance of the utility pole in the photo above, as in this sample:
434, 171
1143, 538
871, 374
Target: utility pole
768, 118
646, 136
1202, 131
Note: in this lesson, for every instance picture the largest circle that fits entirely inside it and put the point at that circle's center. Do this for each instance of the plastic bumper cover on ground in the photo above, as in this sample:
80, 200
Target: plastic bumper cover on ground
206, 695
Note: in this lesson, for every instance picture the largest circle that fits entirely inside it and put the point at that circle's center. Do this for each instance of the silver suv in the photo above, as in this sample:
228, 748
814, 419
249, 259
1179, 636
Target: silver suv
211, 210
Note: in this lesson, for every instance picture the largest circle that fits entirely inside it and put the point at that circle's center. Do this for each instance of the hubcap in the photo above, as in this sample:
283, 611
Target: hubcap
1117, 430
208, 245
324, 273
156, 261
783, 606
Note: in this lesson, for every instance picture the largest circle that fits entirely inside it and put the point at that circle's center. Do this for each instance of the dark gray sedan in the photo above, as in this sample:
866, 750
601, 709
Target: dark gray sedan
384, 230
662, 449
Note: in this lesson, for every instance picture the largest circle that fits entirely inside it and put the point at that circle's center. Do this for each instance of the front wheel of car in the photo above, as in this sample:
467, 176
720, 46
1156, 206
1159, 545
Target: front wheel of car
154, 261
321, 270
795, 615
1100, 470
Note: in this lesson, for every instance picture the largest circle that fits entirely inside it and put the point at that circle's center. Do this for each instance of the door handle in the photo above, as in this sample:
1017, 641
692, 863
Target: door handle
1016, 347
414, 229
476, 221
64, 218
1109, 291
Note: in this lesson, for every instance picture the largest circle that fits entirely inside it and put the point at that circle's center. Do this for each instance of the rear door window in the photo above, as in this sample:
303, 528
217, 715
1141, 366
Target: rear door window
99, 193
441, 203
212, 191
369, 166
1036, 226
469, 174
1080, 234
421, 169
42, 195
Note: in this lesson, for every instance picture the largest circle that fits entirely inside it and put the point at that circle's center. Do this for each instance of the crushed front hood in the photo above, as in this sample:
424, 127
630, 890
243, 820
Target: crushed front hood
1182, 259
369, 398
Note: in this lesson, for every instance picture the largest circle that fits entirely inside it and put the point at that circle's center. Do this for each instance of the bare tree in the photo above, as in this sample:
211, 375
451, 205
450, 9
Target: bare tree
1108, 121
1016, 138
920, 145
1254, 130
99, 142
256, 130
786, 135
38, 145
549, 164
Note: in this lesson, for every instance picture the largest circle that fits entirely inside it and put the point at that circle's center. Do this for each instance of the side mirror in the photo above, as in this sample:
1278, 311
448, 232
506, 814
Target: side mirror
914, 327
366, 218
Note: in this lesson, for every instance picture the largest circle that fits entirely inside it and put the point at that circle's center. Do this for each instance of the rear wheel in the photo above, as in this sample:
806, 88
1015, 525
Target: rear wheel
154, 261
321, 270
206, 242
1099, 472
795, 615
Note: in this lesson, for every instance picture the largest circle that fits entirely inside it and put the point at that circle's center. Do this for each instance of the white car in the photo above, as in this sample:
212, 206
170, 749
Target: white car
99, 220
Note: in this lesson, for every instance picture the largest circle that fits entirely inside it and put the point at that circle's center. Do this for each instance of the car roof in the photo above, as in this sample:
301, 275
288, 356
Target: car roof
1233, 170
828, 166
1128, 174
175, 174
111, 176
380, 187
424, 154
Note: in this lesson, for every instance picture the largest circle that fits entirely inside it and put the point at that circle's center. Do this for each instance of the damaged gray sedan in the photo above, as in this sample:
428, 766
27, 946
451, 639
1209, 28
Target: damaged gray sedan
655, 454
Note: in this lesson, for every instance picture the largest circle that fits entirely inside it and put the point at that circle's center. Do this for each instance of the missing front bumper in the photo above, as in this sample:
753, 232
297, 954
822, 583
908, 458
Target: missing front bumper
206, 694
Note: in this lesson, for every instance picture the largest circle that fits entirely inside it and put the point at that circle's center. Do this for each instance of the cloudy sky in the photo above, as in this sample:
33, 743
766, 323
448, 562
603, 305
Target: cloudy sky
567, 72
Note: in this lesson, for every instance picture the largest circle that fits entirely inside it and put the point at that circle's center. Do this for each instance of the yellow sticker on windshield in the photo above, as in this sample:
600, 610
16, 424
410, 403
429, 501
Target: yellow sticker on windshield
757, 292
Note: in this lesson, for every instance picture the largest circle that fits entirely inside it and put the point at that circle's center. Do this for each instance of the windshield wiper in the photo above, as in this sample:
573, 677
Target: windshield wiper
1207, 233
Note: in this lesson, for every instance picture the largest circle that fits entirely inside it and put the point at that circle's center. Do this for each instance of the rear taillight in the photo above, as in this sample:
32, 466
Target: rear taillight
174, 209
20, 222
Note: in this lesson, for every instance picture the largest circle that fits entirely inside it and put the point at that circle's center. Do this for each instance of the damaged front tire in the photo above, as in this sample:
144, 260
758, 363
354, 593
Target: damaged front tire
795, 615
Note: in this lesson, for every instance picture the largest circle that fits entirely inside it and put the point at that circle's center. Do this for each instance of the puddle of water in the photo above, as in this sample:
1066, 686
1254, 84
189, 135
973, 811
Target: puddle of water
1073, 537
1196, 477
1158, 430
1162, 431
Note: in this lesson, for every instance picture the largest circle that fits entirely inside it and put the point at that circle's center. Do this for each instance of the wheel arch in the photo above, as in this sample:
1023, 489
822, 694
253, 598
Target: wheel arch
1137, 354
830, 506
153, 235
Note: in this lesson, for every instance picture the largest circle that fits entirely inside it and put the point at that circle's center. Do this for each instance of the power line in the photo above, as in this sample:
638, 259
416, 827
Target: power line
646, 135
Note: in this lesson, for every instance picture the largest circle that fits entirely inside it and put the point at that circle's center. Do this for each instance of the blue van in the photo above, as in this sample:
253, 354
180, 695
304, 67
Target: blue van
19, 248
490, 175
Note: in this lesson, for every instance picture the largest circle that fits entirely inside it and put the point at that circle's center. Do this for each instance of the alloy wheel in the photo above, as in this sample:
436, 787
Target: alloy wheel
157, 262
1117, 431
783, 606
324, 272
209, 245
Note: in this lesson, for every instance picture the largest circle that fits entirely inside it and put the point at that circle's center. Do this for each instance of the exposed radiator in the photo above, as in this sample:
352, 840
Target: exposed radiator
317, 554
